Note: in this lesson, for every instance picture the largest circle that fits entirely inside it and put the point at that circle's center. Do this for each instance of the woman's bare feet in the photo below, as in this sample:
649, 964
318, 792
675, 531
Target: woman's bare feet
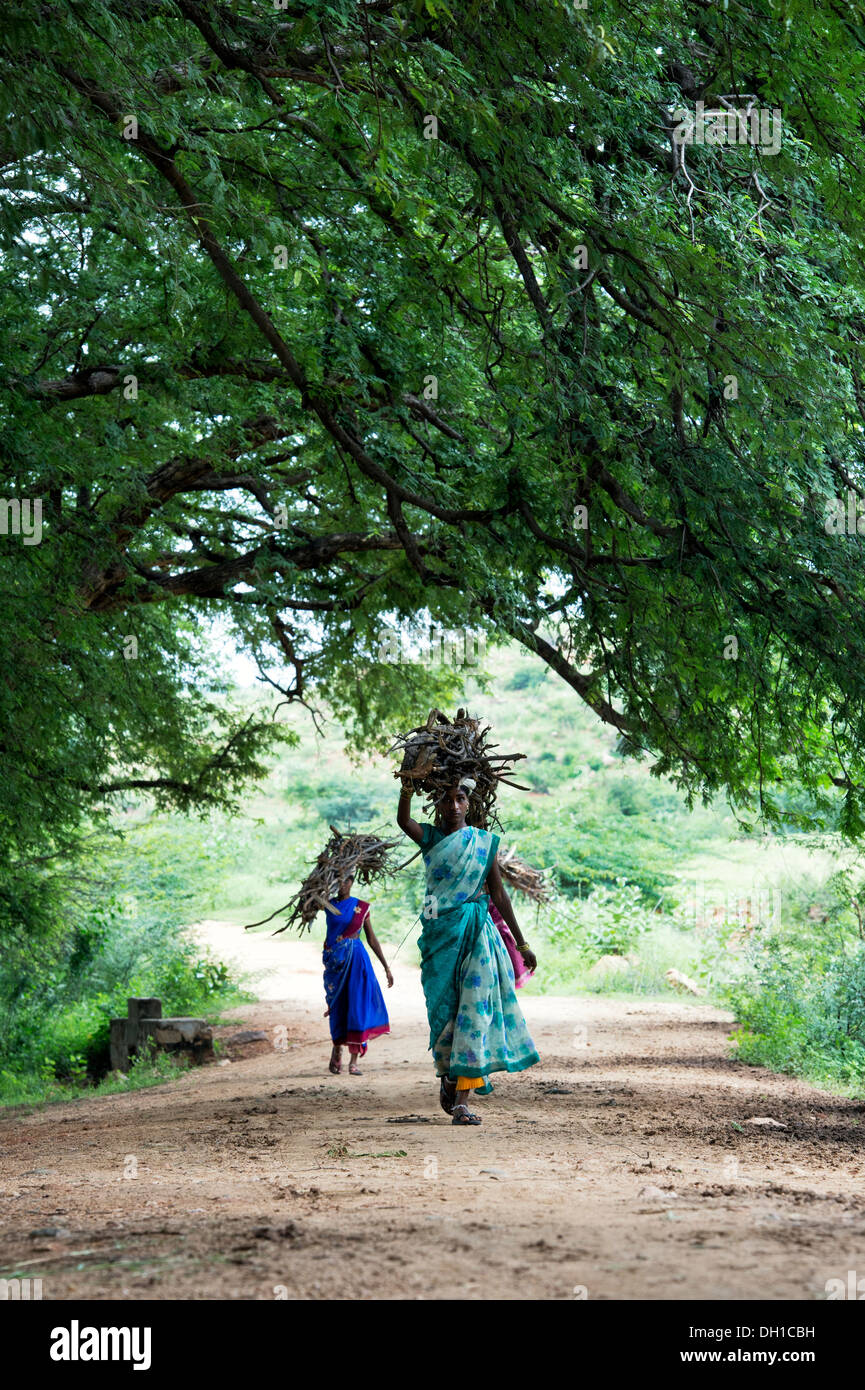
335, 1064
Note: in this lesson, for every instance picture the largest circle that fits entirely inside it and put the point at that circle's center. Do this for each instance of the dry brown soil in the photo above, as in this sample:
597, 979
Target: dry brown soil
623, 1165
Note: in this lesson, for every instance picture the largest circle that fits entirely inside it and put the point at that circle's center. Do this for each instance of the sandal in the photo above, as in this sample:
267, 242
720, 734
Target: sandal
447, 1095
335, 1065
463, 1116
354, 1069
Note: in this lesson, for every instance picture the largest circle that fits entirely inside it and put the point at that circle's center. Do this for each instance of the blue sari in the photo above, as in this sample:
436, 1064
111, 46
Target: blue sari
476, 1024
357, 1007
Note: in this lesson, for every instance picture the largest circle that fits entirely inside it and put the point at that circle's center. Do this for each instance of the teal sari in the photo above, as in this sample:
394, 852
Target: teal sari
476, 1024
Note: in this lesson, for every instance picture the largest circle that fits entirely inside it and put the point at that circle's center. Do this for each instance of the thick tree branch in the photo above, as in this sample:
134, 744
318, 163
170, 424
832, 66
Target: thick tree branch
216, 580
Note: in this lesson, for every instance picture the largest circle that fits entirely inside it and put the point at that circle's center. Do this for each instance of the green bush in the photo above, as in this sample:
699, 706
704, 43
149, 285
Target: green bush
609, 921
615, 918
57, 1026
802, 1019
117, 937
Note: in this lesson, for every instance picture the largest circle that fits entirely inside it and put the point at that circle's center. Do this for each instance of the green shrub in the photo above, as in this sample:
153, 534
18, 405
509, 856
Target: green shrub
608, 922
61, 1031
804, 1020
616, 918
57, 998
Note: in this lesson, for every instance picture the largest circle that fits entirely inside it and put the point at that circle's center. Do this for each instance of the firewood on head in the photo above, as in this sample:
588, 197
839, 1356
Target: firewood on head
346, 856
441, 753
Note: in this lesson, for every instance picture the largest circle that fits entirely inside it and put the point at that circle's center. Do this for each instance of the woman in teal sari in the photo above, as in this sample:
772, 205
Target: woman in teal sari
476, 1024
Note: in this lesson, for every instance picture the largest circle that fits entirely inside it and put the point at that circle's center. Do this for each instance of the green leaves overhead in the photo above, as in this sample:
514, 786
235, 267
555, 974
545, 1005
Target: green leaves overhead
331, 317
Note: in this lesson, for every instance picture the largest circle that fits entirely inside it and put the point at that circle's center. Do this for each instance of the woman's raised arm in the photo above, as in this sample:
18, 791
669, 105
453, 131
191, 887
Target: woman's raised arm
403, 816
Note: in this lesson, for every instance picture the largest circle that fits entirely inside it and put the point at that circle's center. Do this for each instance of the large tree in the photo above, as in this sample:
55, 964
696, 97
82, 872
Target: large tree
331, 315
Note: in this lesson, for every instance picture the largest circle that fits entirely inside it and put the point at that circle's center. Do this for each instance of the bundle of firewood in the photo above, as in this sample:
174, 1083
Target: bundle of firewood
441, 753
522, 877
346, 855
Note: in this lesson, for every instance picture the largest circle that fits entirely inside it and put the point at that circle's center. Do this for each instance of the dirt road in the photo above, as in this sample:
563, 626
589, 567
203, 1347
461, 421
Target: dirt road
623, 1166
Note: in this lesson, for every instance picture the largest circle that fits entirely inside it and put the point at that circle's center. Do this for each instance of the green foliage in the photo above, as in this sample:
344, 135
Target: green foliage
345, 811
569, 955
799, 990
57, 1022
28, 1088
220, 333
585, 839
120, 935
804, 1020
610, 921
615, 918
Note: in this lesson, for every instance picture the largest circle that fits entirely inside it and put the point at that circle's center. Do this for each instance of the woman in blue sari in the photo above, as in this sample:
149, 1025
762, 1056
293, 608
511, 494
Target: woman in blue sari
355, 1005
476, 1024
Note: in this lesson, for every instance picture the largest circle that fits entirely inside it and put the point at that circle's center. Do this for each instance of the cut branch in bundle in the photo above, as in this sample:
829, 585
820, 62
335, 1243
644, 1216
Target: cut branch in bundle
441, 753
523, 878
346, 855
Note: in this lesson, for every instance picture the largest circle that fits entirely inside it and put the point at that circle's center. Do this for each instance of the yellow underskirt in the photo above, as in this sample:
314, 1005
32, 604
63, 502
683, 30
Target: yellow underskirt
469, 1083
